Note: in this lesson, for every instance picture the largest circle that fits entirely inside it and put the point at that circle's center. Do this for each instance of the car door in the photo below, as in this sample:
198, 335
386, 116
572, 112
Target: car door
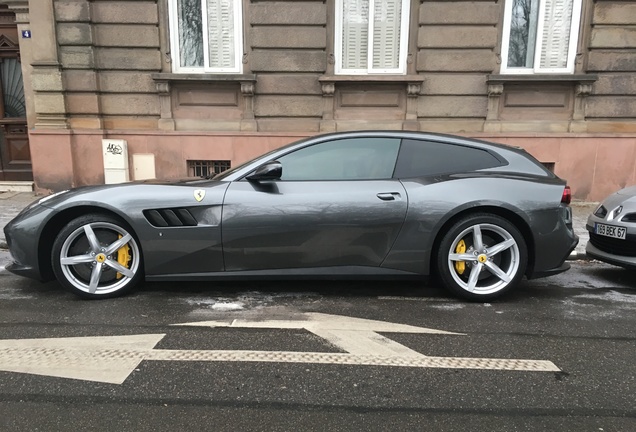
336, 204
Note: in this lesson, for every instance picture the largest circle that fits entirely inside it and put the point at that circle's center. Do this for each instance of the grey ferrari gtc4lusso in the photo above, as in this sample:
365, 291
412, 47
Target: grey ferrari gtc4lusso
390, 204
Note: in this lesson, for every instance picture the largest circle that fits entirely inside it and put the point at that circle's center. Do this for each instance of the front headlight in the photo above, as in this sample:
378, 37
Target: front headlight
600, 211
48, 197
42, 200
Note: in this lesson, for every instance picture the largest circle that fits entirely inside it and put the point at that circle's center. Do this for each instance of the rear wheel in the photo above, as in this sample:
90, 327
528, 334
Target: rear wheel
97, 256
481, 257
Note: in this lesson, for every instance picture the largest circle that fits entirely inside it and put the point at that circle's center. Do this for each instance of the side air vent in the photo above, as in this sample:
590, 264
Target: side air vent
170, 217
629, 217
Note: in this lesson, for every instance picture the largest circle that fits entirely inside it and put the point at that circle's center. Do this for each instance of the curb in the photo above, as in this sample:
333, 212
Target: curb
579, 256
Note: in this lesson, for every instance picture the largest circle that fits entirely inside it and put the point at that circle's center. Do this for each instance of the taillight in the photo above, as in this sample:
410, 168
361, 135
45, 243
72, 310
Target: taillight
566, 198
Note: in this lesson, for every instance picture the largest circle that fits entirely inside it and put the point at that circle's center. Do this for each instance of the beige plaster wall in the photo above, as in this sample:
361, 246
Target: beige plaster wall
593, 165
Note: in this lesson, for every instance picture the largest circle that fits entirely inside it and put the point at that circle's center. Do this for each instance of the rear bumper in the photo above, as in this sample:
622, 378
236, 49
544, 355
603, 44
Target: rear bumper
560, 269
551, 272
557, 251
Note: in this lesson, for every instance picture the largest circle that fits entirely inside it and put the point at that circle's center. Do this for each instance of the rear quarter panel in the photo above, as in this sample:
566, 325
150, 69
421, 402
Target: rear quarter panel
436, 203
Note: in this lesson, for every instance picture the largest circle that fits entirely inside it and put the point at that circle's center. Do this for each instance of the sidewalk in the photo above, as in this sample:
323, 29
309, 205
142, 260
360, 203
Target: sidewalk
11, 203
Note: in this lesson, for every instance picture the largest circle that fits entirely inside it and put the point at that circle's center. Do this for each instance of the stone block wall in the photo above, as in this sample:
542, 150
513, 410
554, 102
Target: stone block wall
455, 52
288, 41
611, 106
110, 53
107, 51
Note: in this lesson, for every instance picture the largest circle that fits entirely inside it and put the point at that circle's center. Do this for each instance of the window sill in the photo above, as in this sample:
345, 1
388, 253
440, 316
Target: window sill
164, 80
203, 77
513, 78
371, 78
413, 82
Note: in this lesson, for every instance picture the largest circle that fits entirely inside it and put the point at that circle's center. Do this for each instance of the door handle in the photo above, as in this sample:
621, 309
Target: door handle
388, 196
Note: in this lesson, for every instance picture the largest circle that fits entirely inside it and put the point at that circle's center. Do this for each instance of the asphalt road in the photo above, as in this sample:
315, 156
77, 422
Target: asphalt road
582, 322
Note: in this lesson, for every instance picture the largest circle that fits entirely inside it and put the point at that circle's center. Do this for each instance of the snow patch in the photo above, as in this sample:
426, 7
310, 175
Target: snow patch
12, 294
242, 301
449, 306
228, 306
613, 296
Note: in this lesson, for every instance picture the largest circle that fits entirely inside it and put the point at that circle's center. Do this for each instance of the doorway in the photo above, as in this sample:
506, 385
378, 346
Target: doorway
15, 156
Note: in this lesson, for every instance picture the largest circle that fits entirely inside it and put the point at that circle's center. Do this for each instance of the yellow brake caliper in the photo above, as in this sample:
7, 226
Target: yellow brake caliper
123, 257
460, 266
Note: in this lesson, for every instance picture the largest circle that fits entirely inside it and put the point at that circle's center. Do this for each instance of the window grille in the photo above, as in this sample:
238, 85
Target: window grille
549, 166
207, 168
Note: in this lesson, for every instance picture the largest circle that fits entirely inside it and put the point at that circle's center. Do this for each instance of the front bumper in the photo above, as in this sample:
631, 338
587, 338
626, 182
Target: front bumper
23, 235
24, 270
617, 260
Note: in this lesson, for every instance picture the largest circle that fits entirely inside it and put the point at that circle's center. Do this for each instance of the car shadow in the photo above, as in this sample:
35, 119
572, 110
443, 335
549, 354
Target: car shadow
328, 288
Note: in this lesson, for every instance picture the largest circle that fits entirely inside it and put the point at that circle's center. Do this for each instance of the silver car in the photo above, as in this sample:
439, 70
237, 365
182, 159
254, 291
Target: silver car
612, 229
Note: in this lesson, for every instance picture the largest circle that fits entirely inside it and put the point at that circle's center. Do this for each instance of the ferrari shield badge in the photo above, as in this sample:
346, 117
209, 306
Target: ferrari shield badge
199, 194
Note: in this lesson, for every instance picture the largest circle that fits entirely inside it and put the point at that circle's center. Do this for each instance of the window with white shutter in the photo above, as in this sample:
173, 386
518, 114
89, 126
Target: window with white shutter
371, 36
206, 36
540, 36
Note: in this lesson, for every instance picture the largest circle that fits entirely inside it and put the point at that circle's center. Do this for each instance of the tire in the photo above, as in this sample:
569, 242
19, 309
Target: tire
481, 272
97, 256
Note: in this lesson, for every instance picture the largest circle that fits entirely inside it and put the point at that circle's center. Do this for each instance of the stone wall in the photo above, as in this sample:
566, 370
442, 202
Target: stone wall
611, 107
288, 41
116, 73
456, 44
107, 51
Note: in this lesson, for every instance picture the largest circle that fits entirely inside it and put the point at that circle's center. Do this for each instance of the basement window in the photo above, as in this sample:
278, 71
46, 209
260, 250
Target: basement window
207, 168
549, 166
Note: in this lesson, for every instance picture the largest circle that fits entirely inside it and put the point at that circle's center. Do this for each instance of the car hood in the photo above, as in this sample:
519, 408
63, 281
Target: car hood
631, 190
625, 197
167, 192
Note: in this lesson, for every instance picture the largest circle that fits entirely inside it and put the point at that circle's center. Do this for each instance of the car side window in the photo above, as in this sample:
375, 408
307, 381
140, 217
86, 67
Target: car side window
428, 158
344, 159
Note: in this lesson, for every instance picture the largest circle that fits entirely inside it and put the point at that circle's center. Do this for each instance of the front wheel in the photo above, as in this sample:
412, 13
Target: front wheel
481, 257
97, 256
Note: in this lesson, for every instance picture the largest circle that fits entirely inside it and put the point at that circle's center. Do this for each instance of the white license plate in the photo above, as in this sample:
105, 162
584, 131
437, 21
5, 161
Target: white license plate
610, 231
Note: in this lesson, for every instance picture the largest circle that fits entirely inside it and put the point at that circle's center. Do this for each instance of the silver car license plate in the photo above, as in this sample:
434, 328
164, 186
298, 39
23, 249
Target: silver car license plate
610, 231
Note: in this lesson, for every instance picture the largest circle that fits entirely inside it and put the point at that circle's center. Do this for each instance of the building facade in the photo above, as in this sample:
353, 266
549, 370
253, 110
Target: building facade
199, 84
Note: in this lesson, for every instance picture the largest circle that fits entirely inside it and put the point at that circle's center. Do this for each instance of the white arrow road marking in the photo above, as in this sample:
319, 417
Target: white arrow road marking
353, 335
353, 359
111, 359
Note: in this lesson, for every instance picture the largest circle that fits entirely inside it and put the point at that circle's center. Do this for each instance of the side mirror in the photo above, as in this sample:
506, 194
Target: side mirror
272, 170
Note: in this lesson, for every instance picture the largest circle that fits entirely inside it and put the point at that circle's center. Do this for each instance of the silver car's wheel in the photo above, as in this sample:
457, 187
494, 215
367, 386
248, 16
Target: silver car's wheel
481, 257
96, 257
